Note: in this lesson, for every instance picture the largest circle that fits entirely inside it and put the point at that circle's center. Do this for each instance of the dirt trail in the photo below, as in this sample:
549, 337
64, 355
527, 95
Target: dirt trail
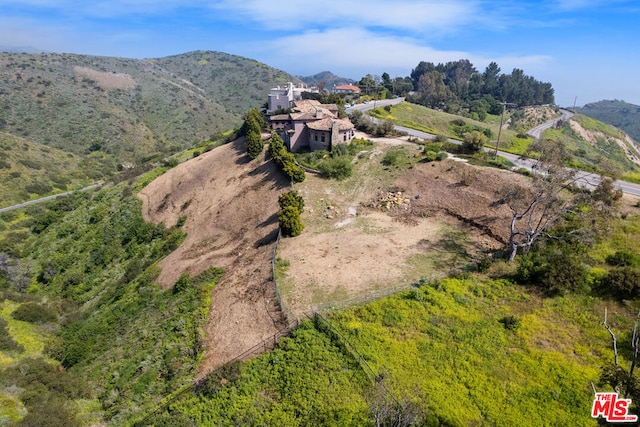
230, 205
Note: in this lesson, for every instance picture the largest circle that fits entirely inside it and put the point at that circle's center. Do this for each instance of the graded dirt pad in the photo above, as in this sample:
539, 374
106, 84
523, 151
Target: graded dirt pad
380, 229
230, 205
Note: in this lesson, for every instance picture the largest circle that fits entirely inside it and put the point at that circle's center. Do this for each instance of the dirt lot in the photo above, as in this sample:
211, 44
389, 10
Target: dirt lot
379, 228
382, 228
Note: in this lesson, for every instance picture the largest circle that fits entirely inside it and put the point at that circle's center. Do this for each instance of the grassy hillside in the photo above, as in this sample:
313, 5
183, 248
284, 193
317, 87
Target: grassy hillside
89, 260
616, 113
445, 350
29, 170
437, 122
595, 146
128, 108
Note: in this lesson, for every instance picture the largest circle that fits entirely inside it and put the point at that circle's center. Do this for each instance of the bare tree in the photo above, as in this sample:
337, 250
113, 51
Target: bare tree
535, 209
622, 381
18, 273
389, 411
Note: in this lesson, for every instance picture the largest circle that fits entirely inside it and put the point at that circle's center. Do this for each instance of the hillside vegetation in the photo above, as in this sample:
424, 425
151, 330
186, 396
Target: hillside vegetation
595, 146
616, 113
124, 112
104, 344
89, 263
451, 352
29, 170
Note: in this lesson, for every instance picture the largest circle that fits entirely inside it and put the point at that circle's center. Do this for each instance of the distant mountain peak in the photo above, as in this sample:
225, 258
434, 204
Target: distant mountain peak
327, 77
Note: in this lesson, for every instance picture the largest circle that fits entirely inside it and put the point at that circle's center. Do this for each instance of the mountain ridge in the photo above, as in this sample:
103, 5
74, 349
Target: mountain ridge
615, 112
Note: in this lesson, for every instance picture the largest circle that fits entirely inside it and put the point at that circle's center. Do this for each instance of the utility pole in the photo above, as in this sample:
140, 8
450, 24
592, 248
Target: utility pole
504, 107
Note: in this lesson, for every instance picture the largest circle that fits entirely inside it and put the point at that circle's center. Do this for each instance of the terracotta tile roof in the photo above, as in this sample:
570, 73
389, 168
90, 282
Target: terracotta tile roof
279, 117
327, 124
351, 88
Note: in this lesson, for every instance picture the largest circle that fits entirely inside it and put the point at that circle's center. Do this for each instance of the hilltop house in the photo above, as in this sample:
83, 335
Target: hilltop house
312, 125
283, 98
346, 89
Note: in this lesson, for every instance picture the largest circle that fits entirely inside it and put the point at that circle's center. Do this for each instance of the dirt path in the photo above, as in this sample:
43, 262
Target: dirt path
230, 205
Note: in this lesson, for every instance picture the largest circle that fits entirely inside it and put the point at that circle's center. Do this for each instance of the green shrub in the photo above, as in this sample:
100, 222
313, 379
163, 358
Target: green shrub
7, 343
623, 282
255, 145
441, 155
555, 268
291, 198
38, 188
474, 141
34, 313
622, 259
430, 156
182, 284
337, 168
510, 322
338, 150
290, 221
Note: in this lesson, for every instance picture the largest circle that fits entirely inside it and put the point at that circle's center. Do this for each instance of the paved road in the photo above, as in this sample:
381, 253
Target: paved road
589, 180
537, 131
44, 199
374, 104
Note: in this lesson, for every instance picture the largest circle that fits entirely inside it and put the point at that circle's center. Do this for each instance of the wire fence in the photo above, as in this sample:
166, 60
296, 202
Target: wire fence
371, 296
286, 310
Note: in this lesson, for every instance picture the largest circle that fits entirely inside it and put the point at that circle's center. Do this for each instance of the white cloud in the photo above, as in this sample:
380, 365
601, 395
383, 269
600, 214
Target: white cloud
359, 52
413, 15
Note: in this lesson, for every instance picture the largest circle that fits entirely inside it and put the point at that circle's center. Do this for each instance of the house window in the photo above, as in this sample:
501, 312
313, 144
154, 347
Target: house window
315, 137
344, 138
323, 137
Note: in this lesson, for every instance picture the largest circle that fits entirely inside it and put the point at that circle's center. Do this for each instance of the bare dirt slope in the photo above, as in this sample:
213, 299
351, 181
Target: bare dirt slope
230, 204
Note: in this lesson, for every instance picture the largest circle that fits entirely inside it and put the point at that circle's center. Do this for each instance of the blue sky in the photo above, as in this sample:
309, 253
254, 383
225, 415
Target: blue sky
587, 49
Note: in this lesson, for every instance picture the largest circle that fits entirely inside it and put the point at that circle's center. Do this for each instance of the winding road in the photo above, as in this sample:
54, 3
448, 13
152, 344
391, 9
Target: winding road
47, 198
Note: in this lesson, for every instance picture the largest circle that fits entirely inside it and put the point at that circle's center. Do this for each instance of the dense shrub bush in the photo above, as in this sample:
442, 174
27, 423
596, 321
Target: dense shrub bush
34, 313
622, 282
430, 156
555, 268
622, 259
7, 343
285, 161
337, 168
291, 198
290, 222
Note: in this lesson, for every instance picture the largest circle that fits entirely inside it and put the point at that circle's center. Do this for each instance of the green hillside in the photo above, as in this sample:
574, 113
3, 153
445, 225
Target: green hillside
443, 351
595, 146
129, 109
29, 170
92, 314
616, 113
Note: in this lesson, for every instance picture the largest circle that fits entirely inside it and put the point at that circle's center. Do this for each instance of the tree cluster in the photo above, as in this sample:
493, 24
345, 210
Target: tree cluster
291, 206
252, 130
285, 160
457, 86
